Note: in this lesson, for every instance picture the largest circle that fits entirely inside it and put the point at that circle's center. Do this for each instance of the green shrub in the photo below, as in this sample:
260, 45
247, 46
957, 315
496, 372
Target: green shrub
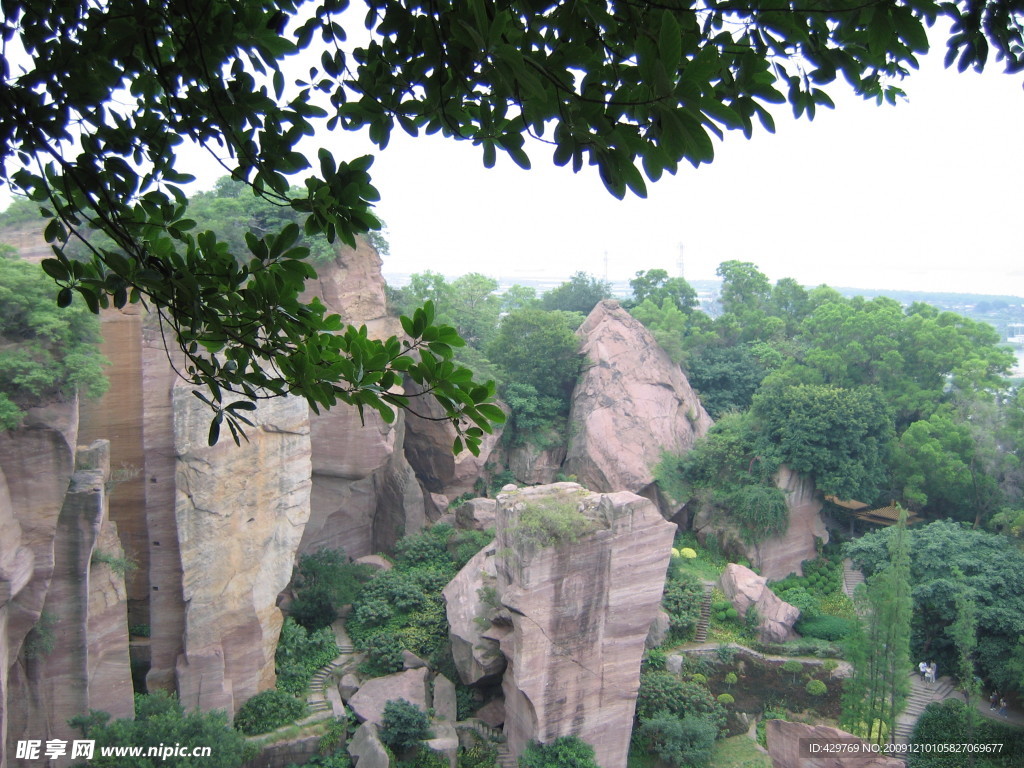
730, 678
563, 752
300, 653
549, 523
816, 688
480, 755
681, 601
268, 710
403, 725
792, 668
831, 628
383, 655
725, 699
664, 692
679, 742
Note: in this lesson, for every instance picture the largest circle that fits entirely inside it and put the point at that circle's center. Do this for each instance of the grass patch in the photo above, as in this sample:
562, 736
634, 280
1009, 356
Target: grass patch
706, 565
738, 752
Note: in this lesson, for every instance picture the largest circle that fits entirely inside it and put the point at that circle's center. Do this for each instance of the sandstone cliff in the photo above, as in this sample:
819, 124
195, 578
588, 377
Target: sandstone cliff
784, 746
630, 404
580, 613
240, 512
364, 492
36, 464
779, 556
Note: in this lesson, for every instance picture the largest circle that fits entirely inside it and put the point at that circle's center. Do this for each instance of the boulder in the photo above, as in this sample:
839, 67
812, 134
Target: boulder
744, 589
348, 685
492, 713
659, 630
411, 685
785, 740
445, 703
375, 561
580, 612
445, 741
411, 661
476, 514
477, 657
428, 447
366, 748
631, 404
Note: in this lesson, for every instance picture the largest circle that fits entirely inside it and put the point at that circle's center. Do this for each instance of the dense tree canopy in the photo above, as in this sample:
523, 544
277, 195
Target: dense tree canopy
947, 560
93, 112
44, 353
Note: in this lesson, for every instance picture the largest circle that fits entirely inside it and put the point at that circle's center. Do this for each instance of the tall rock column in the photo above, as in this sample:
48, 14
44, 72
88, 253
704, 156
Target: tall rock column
240, 512
580, 613
36, 464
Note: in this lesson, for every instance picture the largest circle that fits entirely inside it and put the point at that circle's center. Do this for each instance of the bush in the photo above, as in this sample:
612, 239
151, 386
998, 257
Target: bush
831, 628
563, 752
549, 523
792, 668
725, 699
681, 601
383, 655
664, 692
403, 725
268, 710
678, 742
816, 688
480, 755
300, 653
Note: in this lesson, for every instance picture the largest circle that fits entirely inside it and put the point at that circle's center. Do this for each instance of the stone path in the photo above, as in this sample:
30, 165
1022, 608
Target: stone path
505, 757
921, 695
323, 692
851, 578
705, 613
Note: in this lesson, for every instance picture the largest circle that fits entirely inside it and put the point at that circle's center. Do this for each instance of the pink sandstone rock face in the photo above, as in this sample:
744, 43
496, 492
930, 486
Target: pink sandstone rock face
534, 466
744, 589
364, 493
166, 607
784, 748
88, 665
240, 513
580, 613
780, 556
36, 464
428, 447
630, 404
476, 656
476, 514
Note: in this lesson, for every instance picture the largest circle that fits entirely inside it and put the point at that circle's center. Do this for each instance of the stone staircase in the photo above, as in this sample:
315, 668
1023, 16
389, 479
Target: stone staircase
505, 757
921, 695
701, 635
851, 578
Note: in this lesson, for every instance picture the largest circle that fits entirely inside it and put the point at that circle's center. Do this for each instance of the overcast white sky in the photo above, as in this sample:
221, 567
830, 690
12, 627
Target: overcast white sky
923, 196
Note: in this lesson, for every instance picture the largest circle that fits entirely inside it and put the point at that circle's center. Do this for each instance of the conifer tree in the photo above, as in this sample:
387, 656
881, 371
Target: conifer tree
879, 648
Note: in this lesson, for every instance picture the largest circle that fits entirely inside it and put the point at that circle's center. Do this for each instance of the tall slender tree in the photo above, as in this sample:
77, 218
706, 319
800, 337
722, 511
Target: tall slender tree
880, 649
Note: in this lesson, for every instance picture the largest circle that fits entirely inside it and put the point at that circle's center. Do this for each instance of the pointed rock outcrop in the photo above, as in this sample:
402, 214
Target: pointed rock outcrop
630, 404
746, 590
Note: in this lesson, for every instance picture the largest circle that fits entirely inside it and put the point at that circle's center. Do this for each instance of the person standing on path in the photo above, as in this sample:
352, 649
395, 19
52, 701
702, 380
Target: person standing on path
923, 668
993, 701
1002, 708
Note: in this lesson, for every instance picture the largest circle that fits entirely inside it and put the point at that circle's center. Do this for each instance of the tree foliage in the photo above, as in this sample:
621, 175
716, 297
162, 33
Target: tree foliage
563, 752
403, 725
106, 93
46, 353
161, 720
951, 562
579, 294
685, 742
